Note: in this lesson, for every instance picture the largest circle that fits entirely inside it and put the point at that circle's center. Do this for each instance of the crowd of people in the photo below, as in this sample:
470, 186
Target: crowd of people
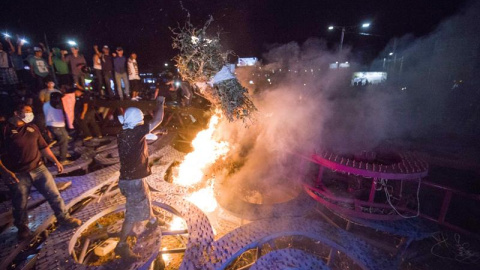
45, 101
31, 67
30, 76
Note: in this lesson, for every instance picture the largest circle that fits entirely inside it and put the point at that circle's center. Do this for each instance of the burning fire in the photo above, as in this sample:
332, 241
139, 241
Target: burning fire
177, 223
206, 152
191, 171
204, 199
166, 257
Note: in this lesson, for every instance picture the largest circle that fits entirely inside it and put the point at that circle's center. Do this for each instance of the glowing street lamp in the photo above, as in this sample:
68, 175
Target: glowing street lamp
365, 25
72, 43
343, 28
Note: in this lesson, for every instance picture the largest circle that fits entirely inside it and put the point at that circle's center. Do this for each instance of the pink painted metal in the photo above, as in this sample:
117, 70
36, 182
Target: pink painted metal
408, 168
405, 167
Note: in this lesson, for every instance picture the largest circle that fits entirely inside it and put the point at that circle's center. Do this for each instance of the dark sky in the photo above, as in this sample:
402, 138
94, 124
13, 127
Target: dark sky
248, 26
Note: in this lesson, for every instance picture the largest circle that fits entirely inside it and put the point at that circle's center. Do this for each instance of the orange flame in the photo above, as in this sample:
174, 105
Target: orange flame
204, 199
206, 152
191, 171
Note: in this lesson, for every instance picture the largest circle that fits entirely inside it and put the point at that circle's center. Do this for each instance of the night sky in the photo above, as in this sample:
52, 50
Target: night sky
248, 27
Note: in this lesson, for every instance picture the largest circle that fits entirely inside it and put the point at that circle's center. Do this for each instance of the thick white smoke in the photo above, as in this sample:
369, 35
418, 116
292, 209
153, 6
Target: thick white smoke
309, 107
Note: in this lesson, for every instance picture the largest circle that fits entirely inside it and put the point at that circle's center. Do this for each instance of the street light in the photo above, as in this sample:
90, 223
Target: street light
72, 43
343, 28
365, 25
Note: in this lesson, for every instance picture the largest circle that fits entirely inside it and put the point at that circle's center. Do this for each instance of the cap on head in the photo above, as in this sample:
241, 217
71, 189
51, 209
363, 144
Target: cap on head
37, 49
105, 47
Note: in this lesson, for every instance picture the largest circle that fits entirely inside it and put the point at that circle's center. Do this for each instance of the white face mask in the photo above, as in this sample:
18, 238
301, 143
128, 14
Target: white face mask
28, 117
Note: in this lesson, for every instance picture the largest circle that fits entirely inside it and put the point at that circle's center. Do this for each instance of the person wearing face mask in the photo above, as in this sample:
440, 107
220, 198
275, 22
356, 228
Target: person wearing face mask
134, 168
21, 167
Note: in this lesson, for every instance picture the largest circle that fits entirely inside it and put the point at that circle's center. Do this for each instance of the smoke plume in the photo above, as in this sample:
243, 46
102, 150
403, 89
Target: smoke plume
307, 107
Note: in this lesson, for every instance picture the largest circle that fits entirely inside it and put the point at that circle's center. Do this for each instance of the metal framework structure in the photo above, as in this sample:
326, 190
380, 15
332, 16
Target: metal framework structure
202, 251
409, 168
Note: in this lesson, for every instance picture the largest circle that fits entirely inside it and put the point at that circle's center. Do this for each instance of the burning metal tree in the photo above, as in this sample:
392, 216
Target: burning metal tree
201, 62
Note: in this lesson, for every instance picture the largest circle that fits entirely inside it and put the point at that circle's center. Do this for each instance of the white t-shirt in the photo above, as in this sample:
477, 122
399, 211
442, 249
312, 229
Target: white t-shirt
97, 64
53, 117
132, 69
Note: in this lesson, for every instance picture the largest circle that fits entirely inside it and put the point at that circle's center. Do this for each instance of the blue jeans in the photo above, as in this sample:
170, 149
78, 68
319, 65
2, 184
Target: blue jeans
118, 81
61, 136
43, 181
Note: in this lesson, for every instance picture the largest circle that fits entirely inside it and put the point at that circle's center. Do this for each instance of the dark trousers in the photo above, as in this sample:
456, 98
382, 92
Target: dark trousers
64, 79
43, 181
79, 80
99, 82
61, 136
135, 86
88, 123
107, 76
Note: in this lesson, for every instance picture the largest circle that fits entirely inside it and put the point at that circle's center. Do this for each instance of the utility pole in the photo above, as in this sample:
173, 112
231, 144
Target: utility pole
343, 28
48, 53
341, 39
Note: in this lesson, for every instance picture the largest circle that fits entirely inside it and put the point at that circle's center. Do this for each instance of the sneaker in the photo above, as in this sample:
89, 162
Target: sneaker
87, 138
52, 143
71, 222
23, 232
125, 252
66, 162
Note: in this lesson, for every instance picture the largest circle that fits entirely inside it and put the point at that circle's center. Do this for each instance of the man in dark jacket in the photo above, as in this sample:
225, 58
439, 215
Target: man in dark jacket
22, 167
107, 68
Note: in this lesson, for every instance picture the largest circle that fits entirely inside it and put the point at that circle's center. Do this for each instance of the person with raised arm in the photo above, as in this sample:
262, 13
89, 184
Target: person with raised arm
134, 168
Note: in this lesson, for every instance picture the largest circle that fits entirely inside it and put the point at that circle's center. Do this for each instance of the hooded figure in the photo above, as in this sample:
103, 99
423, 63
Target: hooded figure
61, 68
132, 118
56, 100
